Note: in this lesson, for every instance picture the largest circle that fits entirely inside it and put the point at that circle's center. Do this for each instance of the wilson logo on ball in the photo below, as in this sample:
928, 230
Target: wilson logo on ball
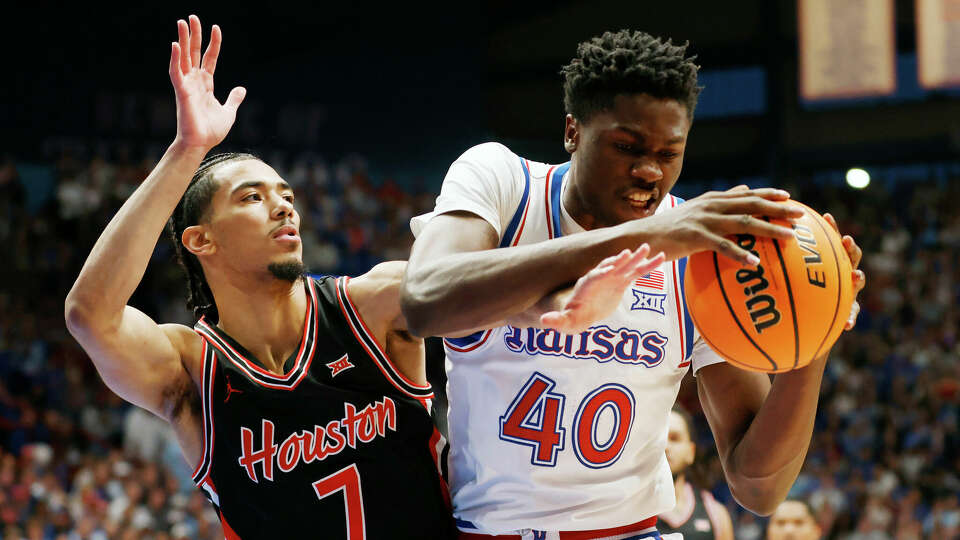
761, 307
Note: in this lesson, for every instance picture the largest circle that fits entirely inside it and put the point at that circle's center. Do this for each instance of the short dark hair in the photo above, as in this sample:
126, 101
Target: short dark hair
628, 62
191, 210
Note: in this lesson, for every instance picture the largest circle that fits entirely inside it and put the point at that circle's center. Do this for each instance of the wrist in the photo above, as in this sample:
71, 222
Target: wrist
183, 148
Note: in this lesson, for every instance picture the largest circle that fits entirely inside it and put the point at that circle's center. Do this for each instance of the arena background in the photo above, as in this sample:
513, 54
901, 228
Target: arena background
362, 108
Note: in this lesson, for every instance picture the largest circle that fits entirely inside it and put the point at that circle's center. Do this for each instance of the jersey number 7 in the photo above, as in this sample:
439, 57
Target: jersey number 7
346, 479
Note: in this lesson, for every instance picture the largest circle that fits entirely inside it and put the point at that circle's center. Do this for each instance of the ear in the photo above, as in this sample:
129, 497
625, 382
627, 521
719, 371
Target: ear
571, 134
197, 241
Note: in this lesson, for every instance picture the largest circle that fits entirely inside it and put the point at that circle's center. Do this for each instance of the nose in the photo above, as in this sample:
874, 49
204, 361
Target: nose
646, 169
283, 209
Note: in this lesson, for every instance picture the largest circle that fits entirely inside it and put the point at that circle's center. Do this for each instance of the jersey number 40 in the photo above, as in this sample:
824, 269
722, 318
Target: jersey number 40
534, 418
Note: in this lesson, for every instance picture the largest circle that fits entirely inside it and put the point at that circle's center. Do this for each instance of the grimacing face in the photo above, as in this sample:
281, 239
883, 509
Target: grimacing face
626, 159
792, 521
251, 221
680, 449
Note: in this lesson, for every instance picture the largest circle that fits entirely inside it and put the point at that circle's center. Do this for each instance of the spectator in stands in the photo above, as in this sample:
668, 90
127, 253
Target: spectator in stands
793, 520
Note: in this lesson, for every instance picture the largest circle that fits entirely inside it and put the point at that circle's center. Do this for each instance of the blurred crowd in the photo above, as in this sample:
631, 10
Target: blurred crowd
76, 462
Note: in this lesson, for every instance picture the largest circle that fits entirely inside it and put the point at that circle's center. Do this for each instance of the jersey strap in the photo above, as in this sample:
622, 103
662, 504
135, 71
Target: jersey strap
554, 186
369, 343
206, 395
515, 229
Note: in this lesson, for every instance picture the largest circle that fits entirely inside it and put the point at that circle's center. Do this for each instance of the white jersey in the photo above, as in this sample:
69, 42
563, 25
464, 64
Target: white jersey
551, 431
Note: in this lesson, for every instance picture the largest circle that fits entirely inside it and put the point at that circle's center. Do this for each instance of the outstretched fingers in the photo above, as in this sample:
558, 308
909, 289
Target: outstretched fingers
196, 40
213, 50
176, 76
183, 36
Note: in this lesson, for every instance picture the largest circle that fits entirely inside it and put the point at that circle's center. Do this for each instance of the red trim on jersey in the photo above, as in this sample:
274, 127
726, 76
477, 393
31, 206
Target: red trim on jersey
572, 535
523, 220
486, 334
676, 295
547, 201
203, 408
213, 431
241, 366
366, 331
435, 438
273, 377
303, 342
228, 532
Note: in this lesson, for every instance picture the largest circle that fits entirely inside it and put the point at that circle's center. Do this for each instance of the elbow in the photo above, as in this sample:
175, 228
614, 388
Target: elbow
80, 314
756, 497
76, 313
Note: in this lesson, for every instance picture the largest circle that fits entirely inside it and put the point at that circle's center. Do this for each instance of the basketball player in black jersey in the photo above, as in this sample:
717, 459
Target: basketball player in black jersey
697, 514
302, 403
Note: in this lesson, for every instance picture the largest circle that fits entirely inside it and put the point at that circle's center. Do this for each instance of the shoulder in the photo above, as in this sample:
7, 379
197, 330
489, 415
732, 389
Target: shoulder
376, 294
487, 153
189, 344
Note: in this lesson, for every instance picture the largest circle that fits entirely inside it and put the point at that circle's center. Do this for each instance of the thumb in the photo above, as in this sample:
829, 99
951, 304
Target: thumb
235, 98
554, 319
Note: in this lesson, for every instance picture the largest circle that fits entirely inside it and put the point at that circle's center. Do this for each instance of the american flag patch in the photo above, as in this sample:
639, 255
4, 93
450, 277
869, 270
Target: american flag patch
653, 280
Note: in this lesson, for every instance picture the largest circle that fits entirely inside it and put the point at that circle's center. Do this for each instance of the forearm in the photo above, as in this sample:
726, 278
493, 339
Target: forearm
764, 464
119, 258
476, 289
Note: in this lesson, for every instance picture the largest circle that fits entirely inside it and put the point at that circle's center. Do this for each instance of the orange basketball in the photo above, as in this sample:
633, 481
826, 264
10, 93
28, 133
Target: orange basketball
785, 312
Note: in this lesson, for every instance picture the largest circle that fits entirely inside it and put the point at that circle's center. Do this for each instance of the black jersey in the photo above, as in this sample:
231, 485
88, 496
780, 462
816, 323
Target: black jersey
340, 446
696, 523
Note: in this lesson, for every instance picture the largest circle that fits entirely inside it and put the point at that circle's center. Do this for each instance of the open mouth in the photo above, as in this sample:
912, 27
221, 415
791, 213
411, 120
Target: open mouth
643, 201
286, 232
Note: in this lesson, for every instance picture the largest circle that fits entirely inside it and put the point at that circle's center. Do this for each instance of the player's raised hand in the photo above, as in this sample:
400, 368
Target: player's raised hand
859, 278
202, 121
705, 222
598, 292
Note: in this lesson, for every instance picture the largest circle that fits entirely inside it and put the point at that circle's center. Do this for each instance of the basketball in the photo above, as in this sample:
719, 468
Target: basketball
785, 312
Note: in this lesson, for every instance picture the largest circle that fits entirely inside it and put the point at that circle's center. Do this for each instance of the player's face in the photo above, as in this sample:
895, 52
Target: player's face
627, 159
253, 222
680, 449
792, 521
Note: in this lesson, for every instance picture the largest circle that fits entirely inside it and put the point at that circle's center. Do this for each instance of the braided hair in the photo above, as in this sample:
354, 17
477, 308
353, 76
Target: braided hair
191, 210
628, 62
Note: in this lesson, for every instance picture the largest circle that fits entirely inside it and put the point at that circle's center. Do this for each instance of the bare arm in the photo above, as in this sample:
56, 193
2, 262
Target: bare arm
376, 296
456, 280
138, 359
763, 430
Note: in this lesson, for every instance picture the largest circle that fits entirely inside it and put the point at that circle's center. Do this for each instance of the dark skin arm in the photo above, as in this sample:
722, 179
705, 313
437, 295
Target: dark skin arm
763, 430
455, 278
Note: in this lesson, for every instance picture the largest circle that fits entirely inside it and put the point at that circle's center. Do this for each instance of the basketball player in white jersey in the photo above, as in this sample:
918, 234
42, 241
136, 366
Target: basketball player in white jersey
558, 426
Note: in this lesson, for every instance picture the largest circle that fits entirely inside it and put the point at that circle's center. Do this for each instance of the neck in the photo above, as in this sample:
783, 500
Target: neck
573, 202
263, 313
679, 487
